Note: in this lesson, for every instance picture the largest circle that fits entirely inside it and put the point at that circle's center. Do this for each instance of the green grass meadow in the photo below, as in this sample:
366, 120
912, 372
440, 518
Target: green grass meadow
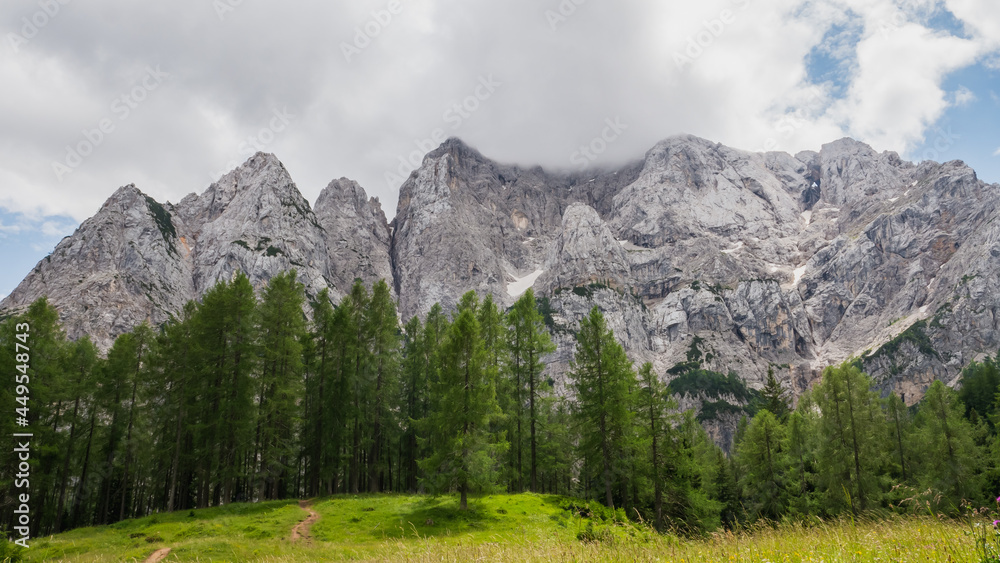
524, 527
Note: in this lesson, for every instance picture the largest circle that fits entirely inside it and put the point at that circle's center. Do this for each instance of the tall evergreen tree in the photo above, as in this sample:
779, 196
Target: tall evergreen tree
949, 457
800, 446
773, 397
980, 384
358, 376
320, 402
282, 328
900, 428
384, 331
762, 455
603, 377
851, 456
47, 402
528, 342
175, 372
413, 384
81, 363
464, 456
656, 424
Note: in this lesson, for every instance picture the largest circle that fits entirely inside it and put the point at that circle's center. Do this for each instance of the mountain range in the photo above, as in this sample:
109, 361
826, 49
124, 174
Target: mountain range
759, 260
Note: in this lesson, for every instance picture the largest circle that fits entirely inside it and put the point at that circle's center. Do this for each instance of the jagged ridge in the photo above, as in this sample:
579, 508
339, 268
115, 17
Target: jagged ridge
792, 262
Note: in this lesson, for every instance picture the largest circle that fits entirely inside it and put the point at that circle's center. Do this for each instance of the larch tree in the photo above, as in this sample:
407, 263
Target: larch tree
528, 342
464, 453
282, 328
765, 462
852, 455
384, 350
948, 454
603, 378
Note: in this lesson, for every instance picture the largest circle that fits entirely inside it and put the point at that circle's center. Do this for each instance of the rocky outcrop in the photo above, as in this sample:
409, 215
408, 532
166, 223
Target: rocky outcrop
124, 265
769, 260
464, 222
137, 260
357, 234
254, 220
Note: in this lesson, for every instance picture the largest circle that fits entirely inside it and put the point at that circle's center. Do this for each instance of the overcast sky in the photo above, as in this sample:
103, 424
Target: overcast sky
97, 94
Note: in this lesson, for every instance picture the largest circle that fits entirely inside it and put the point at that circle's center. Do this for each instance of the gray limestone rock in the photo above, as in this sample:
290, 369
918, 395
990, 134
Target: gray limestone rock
772, 260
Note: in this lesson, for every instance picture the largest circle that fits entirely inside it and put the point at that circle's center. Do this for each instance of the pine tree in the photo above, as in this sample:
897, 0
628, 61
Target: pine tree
319, 401
358, 377
688, 502
949, 458
854, 431
602, 376
48, 382
282, 328
900, 427
656, 422
528, 342
120, 389
383, 328
980, 384
774, 398
224, 351
413, 390
800, 447
762, 456
81, 362
725, 491
463, 454
174, 372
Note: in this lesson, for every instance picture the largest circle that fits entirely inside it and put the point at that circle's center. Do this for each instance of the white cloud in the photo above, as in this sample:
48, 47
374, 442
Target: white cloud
54, 229
749, 87
996, 152
9, 228
963, 96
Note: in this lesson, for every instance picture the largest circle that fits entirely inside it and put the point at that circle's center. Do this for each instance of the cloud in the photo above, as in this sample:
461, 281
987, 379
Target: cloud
996, 152
54, 229
748, 85
963, 96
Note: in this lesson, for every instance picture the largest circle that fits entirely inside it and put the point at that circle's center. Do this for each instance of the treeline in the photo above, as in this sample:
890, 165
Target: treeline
243, 398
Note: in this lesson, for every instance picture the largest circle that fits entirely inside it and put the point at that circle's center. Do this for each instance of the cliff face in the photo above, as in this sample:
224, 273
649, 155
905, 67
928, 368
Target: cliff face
771, 260
139, 260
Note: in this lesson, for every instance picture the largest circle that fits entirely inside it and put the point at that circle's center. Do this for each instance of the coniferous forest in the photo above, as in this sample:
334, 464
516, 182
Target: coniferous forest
246, 397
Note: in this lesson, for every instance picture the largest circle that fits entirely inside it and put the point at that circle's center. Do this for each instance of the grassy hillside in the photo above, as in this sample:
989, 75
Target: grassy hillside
497, 528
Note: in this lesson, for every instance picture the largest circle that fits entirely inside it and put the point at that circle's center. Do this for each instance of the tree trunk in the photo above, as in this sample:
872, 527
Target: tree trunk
81, 489
531, 401
175, 464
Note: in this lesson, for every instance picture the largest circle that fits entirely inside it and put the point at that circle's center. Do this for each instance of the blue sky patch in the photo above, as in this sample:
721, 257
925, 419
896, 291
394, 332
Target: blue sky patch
24, 241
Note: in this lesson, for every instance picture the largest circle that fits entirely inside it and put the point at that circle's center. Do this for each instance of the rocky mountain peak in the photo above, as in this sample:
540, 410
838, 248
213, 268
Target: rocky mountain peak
766, 261
356, 233
584, 251
852, 172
